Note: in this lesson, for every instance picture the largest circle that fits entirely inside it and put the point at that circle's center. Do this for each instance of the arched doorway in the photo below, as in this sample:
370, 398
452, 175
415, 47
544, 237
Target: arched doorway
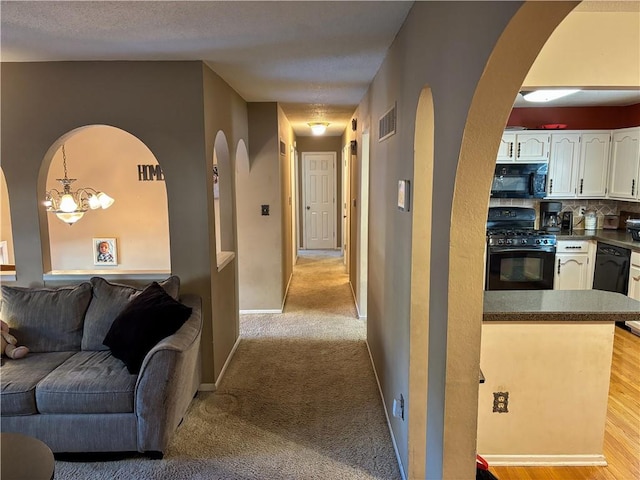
511, 59
111, 160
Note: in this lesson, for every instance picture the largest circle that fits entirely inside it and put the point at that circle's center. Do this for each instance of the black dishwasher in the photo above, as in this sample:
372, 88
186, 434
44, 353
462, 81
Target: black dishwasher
612, 268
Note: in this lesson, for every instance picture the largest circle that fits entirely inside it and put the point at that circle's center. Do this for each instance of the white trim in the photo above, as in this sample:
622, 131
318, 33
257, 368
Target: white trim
250, 312
355, 302
207, 387
286, 292
386, 414
226, 363
224, 258
546, 460
85, 275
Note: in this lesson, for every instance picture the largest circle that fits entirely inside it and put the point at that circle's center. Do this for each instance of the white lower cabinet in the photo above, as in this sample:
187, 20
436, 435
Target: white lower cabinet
634, 276
573, 267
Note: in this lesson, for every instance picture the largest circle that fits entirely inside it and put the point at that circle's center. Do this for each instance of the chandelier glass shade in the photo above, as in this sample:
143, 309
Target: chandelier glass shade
71, 205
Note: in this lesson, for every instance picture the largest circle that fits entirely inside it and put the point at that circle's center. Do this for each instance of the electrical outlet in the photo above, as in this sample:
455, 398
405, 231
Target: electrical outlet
398, 407
500, 402
264, 209
582, 210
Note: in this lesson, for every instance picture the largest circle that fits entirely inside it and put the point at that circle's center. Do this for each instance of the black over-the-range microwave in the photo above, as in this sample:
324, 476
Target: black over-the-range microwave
520, 180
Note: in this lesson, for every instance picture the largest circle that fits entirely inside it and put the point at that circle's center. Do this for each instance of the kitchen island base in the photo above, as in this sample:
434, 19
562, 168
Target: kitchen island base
556, 377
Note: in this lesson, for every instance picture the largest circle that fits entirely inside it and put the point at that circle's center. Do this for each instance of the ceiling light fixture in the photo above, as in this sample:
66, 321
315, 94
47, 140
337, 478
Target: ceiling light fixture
318, 128
547, 95
70, 206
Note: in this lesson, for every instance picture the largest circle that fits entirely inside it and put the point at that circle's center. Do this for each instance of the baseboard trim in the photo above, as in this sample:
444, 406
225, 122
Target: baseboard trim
386, 415
546, 460
226, 363
249, 312
286, 292
207, 387
355, 302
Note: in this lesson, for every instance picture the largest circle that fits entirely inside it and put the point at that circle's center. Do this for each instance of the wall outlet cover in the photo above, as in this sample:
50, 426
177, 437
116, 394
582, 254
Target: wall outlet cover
500, 402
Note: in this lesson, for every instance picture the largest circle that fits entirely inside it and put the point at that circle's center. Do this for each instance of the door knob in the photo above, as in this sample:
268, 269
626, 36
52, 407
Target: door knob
308, 207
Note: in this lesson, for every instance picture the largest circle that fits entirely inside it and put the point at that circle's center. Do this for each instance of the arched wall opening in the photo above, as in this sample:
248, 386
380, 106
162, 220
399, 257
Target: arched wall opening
111, 160
7, 257
223, 189
511, 59
420, 286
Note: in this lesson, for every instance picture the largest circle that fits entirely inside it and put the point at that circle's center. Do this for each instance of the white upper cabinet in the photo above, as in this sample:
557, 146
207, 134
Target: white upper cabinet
524, 147
506, 150
578, 165
594, 165
563, 165
625, 159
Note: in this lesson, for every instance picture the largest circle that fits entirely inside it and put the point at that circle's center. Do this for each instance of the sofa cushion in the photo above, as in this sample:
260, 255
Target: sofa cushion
88, 382
18, 380
46, 320
108, 300
147, 319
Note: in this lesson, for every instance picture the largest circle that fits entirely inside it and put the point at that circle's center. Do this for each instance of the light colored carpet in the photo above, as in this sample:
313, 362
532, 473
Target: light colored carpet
299, 400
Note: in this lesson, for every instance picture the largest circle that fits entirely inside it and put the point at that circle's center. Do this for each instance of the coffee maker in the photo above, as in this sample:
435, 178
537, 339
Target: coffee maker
550, 216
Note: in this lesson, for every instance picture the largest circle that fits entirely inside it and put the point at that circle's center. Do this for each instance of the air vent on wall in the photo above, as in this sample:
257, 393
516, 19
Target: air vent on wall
387, 124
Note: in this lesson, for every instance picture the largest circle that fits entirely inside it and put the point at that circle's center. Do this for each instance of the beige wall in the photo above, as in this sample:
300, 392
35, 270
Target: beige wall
161, 103
592, 48
6, 233
286, 136
260, 261
107, 159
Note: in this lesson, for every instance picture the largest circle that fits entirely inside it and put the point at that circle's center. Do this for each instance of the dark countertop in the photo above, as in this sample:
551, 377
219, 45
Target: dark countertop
559, 306
619, 238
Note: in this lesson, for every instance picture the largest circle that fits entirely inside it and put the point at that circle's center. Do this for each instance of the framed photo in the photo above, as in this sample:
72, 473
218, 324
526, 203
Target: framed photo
105, 251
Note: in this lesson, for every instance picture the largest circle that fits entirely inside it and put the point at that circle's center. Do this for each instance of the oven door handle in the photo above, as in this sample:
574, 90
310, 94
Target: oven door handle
546, 249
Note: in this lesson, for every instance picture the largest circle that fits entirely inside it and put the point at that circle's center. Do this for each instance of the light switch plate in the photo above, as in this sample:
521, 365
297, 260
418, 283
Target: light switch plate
404, 197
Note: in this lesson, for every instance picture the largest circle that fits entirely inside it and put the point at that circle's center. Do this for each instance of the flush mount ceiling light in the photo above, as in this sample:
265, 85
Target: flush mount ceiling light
70, 206
318, 128
547, 95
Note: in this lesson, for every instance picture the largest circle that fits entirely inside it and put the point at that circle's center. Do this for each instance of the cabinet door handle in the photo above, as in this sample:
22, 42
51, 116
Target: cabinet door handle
581, 184
510, 149
518, 154
633, 186
558, 266
551, 185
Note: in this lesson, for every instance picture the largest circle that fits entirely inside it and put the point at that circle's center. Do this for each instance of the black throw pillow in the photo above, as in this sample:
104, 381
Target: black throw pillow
148, 318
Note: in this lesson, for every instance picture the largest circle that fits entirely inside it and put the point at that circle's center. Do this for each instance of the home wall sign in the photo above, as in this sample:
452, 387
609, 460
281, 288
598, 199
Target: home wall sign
150, 173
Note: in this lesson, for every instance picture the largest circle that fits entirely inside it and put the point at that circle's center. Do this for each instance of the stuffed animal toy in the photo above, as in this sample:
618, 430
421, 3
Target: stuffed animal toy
9, 343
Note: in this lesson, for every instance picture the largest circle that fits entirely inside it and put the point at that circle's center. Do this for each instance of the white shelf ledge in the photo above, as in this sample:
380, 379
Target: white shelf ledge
224, 258
85, 275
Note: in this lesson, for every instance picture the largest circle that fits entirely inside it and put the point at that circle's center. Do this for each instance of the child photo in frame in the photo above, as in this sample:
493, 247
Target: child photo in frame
105, 251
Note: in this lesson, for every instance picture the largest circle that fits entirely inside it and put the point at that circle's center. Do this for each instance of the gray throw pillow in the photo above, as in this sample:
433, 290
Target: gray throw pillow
108, 300
46, 320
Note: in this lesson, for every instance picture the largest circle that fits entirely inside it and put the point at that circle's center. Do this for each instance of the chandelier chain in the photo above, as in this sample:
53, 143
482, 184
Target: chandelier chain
64, 161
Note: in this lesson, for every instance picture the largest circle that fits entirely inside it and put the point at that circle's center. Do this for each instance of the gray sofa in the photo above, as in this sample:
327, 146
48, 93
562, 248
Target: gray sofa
71, 392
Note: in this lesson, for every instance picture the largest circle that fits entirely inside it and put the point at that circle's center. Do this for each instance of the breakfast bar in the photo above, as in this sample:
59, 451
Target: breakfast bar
546, 356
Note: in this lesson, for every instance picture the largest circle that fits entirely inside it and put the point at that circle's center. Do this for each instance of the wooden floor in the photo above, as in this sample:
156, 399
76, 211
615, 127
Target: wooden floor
622, 434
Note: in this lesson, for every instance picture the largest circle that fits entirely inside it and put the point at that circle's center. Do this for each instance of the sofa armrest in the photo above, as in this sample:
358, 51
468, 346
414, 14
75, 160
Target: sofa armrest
168, 380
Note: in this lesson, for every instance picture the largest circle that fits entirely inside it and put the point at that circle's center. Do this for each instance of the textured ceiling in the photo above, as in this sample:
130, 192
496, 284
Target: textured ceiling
315, 58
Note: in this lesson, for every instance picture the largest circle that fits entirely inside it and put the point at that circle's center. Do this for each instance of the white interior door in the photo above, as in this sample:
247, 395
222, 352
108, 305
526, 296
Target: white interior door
293, 155
346, 152
319, 194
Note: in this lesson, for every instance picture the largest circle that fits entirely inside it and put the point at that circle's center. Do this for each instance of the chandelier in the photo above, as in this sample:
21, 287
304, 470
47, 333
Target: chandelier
70, 206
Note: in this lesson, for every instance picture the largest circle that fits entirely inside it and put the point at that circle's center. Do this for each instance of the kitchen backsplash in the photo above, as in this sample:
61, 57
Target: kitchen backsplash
602, 207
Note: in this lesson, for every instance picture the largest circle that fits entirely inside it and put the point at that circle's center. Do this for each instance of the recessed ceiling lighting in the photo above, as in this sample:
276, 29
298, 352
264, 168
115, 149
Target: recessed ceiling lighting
548, 95
318, 128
